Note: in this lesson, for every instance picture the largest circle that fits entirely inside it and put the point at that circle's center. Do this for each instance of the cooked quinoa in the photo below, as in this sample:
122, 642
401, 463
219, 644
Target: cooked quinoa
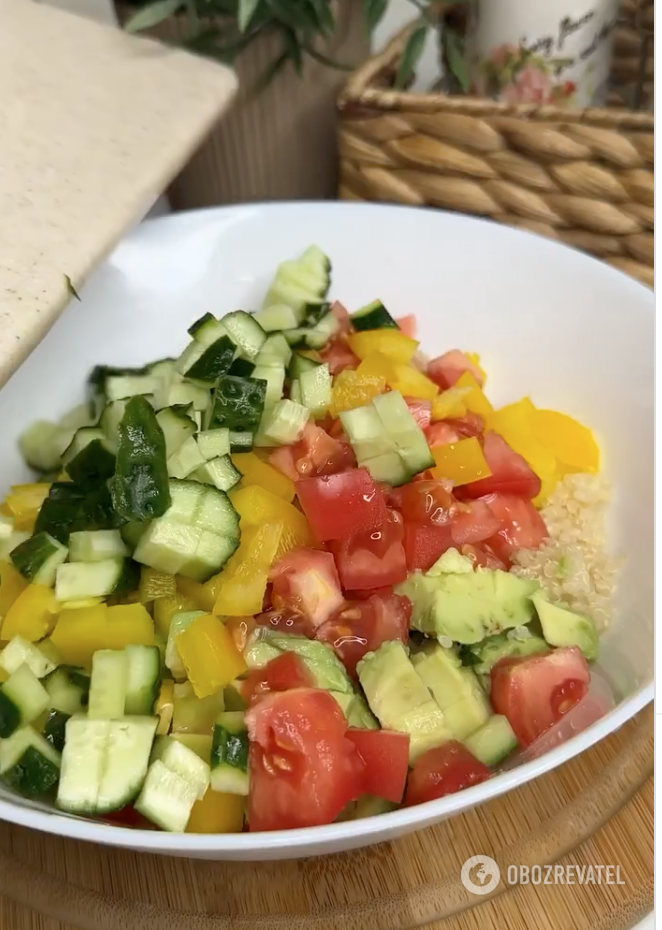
573, 565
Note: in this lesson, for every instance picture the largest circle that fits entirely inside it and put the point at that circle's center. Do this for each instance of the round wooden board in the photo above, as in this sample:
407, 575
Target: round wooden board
595, 810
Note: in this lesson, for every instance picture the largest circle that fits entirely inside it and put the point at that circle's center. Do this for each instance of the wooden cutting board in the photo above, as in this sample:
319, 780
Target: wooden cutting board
595, 810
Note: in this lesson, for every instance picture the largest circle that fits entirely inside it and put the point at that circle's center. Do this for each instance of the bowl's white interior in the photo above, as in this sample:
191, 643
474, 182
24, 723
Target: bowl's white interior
572, 333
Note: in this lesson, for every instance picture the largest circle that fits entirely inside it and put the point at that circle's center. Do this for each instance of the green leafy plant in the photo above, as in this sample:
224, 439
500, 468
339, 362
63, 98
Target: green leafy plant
222, 29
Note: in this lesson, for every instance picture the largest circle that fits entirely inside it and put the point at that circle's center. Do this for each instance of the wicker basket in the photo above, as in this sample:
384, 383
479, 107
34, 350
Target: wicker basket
582, 176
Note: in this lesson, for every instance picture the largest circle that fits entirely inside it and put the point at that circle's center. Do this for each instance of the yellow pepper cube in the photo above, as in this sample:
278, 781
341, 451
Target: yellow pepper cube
79, 633
198, 594
12, 583
351, 389
26, 499
128, 624
474, 400
516, 423
193, 714
209, 655
154, 583
32, 615
474, 358
256, 505
164, 707
390, 342
255, 471
165, 609
568, 440
217, 812
461, 462
412, 383
376, 365
241, 593
449, 405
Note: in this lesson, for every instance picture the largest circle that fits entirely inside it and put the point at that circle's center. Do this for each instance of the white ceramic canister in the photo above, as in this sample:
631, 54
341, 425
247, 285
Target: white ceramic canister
541, 51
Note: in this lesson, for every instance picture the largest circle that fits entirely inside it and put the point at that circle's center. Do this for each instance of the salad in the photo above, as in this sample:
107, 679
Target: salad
290, 577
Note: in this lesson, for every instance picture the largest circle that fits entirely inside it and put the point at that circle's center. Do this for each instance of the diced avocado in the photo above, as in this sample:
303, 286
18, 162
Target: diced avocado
322, 662
232, 696
563, 627
451, 563
468, 607
493, 741
400, 700
369, 805
356, 711
259, 652
483, 656
454, 687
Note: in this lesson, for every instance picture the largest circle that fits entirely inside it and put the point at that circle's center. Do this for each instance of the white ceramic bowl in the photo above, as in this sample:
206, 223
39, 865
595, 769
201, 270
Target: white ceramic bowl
548, 321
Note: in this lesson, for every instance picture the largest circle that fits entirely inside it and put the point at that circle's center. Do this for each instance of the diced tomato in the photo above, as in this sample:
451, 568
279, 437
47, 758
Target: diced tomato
341, 313
305, 582
386, 757
283, 673
473, 523
338, 356
424, 501
420, 410
481, 555
373, 559
240, 628
303, 769
535, 691
471, 424
407, 325
285, 620
441, 434
444, 770
340, 506
316, 453
362, 626
522, 527
510, 472
425, 543
128, 817
447, 368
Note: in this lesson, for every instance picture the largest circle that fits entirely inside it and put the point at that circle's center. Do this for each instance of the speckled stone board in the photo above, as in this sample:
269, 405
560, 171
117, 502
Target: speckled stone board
94, 124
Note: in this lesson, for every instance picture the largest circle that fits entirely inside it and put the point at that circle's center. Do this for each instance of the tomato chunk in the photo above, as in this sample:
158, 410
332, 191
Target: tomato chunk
407, 325
425, 501
473, 523
386, 757
341, 313
373, 559
447, 368
481, 555
425, 543
421, 410
281, 674
510, 472
361, 626
444, 770
340, 506
441, 434
338, 356
522, 527
316, 453
535, 691
303, 769
305, 582
471, 424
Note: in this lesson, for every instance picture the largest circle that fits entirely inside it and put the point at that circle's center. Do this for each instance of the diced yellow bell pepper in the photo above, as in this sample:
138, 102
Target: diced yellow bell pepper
79, 632
474, 400
351, 389
474, 358
449, 405
209, 655
165, 609
243, 581
376, 365
199, 595
4, 675
461, 462
199, 743
255, 471
412, 383
164, 707
24, 503
390, 342
217, 812
569, 441
154, 583
193, 714
516, 423
32, 615
128, 624
256, 506
12, 583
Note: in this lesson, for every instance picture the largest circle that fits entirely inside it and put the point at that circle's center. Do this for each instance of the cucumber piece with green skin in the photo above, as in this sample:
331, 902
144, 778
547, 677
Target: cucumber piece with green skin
299, 364
315, 386
183, 761
142, 679
492, 742
28, 763
22, 699
366, 432
241, 441
373, 316
54, 729
83, 762
185, 460
127, 753
277, 318
37, 558
315, 314
110, 419
214, 362
220, 472
166, 798
323, 331
245, 331
213, 443
96, 545
241, 368
177, 427
69, 508
229, 754
275, 347
19, 651
77, 417
43, 444
286, 422
295, 392
67, 693
388, 468
163, 368
237, 403
122, 386
81, 439
79, 580
207, 330
108, 684
93, 465
140, 487
132, 532
177, 393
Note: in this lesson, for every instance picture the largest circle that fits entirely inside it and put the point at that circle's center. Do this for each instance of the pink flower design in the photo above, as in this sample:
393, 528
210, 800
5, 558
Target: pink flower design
530, 86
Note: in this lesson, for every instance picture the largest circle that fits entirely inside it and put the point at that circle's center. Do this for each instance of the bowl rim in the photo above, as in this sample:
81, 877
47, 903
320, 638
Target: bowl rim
376, 828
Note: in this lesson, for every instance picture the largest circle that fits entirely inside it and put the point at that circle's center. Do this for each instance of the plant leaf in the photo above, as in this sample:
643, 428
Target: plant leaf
325, 60
270, 73
245, 12
70, 287
373, 10
411, 55
454, 47
324, 16
153, 14
296, 16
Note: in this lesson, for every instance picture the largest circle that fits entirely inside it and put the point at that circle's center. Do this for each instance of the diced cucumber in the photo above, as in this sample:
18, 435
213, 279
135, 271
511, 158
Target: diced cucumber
54, 729
77, 580
276, 318
127, 753
166, 798
163, 368
132, 531
96, 546
120, 387
373, 316
298, 364
213, 443
323, 331
315, 386
77, 417
177, 427
83, 763
19, 651
366, 432
42, 444
207, 330
237, 403
241, 441
493, 741
220, 472
37, 558
242, 368
389, 468
110, 419
22, 699
182, 393
177, 757
108, 684
180, 622
297, 337
66, 695
28, 763
81, 440
295, 392
198, 743
213, 362
93, 465
286, 422
245, 331
229, 754
185, 460
142, 678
